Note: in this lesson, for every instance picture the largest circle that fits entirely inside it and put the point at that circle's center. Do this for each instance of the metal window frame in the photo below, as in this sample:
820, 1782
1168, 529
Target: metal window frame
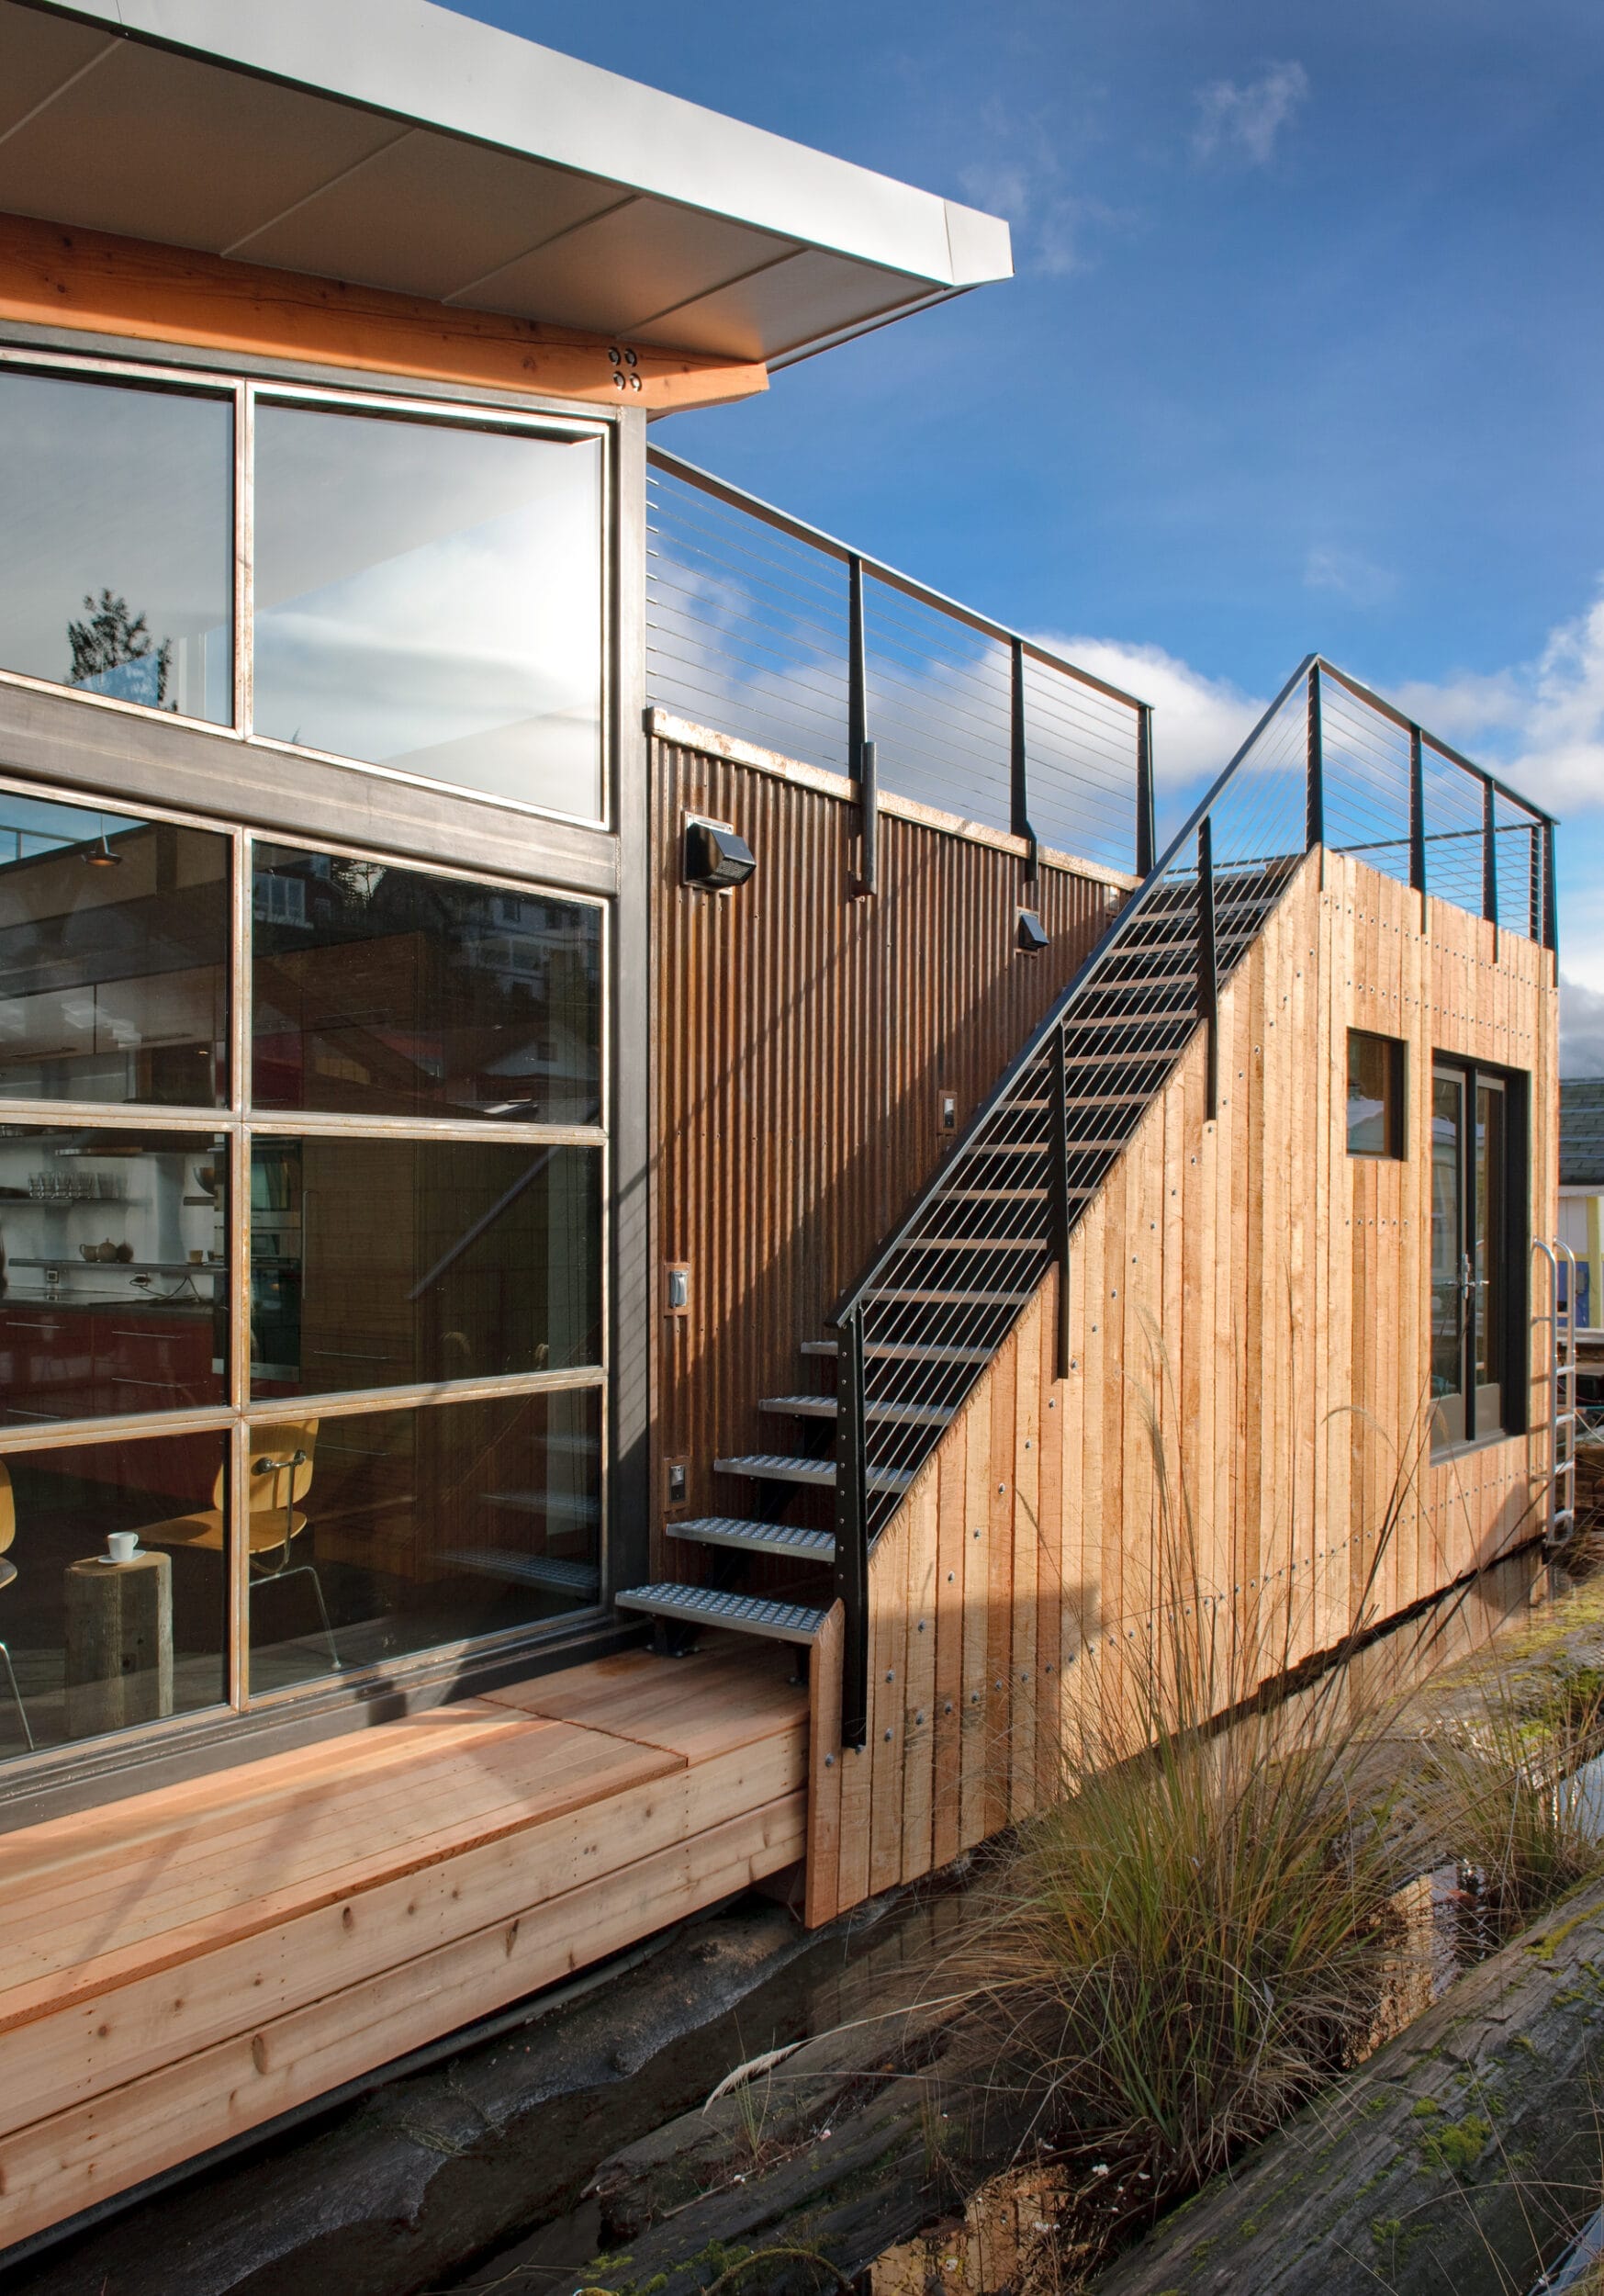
81, 750
1517, 1226
113, 368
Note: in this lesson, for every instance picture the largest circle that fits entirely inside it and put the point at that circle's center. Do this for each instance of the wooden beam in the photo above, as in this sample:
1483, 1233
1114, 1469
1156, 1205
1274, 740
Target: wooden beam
54, 275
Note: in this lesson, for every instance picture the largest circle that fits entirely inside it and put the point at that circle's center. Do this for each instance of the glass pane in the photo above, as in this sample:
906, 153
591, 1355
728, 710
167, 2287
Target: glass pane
114, 957
1372, 1066
392, 993
431, 597
1489, 1239
1447, 1237
99, 1644
395, 1263
116, 507
113, 1272
420, 1527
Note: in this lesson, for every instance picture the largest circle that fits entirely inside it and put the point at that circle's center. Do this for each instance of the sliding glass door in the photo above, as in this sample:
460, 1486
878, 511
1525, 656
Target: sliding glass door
1478, 1249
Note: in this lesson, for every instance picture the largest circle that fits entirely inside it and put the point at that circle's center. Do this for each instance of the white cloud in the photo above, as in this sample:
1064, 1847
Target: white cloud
1542, 722
1242, 123
1056, 229
1581, 1028
1350, 575
1198, 722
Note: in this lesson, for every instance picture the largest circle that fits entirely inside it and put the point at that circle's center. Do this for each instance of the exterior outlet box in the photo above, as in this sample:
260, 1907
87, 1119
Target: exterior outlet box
677, 1485
676, 1289
949, 1105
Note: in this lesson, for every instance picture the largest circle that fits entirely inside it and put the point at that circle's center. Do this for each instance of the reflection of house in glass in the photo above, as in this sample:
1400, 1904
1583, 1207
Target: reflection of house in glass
621, 1071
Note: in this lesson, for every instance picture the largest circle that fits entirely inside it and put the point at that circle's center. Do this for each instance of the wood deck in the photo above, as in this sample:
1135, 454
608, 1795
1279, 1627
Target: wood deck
184, 1965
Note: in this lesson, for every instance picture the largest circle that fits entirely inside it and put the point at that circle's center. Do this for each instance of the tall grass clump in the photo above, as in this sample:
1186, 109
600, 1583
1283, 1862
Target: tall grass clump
1201, 1933
1512, 1797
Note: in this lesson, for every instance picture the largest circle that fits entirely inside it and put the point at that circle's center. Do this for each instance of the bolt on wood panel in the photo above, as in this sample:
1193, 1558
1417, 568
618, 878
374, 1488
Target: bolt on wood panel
1245, 1415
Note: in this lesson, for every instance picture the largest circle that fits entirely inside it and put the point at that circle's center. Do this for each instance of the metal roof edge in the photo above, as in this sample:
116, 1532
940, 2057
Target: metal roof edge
428, 65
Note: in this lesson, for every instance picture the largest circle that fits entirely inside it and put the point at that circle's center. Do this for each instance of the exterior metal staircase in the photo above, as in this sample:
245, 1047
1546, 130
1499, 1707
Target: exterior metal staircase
942, 1295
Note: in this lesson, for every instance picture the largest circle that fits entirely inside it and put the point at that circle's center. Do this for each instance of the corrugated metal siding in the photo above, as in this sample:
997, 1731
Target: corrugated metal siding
802, 1041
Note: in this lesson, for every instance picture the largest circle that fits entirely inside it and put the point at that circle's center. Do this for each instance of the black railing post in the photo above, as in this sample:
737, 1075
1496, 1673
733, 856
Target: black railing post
1207, 966
1490, 855
852, 1531
860, 759
1145, 839
1059, 1187
1018, 774
1550, 891
1314, 820
1416, 814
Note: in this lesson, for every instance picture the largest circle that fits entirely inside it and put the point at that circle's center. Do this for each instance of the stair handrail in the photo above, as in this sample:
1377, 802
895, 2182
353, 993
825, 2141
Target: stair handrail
852, 1467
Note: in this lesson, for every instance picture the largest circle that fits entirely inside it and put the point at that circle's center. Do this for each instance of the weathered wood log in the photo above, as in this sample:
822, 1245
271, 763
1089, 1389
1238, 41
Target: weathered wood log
1459, 2158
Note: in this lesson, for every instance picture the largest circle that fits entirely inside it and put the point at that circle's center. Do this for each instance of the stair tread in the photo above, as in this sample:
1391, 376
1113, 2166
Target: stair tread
954, 1298
828, 1407
756, 1538
780, 1467
905, 1351
709, 1606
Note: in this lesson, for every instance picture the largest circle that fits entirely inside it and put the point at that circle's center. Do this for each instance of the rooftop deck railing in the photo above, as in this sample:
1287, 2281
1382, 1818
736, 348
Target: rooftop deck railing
762, 628
1329, 764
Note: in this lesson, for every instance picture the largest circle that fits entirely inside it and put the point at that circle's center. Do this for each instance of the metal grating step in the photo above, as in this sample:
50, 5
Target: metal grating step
827, 1407
706, 1606
777, 1467
905, 1351
758, 1538
953, 1299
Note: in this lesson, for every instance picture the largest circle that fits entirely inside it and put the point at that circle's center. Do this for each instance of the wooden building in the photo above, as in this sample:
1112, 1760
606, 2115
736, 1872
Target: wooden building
632, 1195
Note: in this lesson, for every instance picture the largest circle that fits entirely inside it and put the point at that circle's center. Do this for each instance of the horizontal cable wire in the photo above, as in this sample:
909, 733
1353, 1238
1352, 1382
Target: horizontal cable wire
747, 631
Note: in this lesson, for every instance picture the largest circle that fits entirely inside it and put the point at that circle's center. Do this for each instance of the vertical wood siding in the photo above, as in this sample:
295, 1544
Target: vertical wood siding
1251, 1304
803, 1040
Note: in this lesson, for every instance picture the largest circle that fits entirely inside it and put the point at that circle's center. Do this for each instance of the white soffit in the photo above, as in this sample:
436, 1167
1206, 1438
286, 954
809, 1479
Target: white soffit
396, 144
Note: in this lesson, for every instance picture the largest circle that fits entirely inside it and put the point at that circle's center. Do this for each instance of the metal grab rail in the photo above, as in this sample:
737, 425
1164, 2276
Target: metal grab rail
1323, 765
1560, 1321
765, 627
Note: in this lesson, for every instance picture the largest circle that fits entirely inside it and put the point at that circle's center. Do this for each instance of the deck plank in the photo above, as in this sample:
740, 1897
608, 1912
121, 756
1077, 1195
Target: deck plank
730, 1693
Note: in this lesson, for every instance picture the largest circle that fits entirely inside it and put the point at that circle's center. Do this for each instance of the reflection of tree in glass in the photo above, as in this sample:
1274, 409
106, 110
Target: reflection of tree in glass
110, 639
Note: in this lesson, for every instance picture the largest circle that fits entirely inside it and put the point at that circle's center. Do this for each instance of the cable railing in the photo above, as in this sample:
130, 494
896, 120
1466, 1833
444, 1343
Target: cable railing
763, 627
1330, 763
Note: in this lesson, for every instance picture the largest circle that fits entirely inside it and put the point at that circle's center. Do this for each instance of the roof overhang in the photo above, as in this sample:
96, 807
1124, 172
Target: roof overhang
394, 144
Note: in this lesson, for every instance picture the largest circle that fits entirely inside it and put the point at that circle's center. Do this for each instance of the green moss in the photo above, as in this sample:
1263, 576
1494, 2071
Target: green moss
1457, 2145
1426, 2107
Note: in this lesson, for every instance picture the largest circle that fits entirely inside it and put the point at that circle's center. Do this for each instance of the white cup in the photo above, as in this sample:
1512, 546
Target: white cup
122, 1546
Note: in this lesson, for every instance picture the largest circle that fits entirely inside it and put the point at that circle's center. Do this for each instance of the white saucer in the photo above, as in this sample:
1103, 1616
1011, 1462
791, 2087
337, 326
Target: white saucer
137, 1556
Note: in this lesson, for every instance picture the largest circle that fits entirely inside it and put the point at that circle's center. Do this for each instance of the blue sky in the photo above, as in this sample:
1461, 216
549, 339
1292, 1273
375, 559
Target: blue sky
1305, 350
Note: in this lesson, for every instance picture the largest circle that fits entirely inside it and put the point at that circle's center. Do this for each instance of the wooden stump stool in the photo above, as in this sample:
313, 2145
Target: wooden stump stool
118, 1643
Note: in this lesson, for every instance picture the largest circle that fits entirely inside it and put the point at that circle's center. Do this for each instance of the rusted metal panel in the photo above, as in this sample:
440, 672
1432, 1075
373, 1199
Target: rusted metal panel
803, 1043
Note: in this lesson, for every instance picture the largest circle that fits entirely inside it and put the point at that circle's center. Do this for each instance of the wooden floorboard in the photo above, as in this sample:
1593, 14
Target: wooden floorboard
185, 1964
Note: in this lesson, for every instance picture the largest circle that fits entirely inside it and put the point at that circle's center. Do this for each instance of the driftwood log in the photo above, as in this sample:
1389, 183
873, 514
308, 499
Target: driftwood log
1457, 2161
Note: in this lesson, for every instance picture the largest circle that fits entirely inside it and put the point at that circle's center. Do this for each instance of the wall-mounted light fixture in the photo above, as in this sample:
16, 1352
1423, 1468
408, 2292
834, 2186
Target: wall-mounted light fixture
717, 858
1033, 936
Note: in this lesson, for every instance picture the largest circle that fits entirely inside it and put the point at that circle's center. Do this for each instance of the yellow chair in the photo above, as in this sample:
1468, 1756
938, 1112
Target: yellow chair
7, 1573
281, 1473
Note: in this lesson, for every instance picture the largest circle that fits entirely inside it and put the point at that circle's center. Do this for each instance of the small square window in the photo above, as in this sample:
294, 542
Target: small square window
1375, 1094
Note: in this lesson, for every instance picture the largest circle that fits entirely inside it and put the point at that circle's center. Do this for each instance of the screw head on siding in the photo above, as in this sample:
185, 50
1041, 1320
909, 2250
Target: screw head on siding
829, 1762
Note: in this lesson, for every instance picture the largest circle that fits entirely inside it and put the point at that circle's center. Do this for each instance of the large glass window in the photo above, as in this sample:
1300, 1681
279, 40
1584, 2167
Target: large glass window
419, 1138
401, 993
114, 1290
118, 525
429, 595
423, 1527
91, 1644
114, 950
397, 1263
395, 584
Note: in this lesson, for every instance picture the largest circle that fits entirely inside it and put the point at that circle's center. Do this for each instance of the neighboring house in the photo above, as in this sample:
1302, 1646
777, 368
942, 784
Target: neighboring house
584, 1065
1581, 1188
